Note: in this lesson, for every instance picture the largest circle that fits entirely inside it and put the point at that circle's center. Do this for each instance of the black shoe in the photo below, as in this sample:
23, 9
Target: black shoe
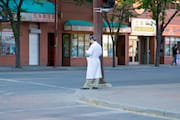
85, 88
94, 87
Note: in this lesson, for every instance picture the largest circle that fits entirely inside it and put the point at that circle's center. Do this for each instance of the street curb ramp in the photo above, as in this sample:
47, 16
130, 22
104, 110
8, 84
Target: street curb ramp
134, 109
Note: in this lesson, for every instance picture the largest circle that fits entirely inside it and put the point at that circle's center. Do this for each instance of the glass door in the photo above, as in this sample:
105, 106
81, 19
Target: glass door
133, 51
66, 50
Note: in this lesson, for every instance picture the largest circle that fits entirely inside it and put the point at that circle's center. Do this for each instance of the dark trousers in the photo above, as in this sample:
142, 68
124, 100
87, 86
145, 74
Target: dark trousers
174, 60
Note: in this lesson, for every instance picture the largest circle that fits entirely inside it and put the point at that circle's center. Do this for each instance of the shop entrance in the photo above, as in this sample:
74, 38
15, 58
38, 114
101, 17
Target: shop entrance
120, 50
66, 50
146, 50
33, 49
134, 50
51, 49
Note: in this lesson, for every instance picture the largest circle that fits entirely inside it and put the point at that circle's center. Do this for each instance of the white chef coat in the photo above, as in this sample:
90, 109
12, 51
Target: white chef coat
93, 61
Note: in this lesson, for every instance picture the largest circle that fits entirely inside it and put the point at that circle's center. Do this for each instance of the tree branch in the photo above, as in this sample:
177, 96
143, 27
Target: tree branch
174, 14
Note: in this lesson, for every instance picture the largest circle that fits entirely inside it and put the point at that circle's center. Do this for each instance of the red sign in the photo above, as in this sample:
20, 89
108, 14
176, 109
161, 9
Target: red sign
172, 30
35, 17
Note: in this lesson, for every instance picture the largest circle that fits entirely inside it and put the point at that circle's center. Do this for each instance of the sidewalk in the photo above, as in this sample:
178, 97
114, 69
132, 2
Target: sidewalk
153, 100
68, 68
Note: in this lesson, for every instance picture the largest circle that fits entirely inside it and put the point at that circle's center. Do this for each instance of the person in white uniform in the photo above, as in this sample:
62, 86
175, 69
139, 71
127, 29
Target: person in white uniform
93, 73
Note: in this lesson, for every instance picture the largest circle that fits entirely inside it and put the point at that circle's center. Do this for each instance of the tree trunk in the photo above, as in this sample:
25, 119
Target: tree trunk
158, 39
114, 54
16, 29
18, 60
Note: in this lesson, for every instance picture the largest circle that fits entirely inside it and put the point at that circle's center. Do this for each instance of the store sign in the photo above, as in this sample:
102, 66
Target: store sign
36, 17
143, 27
172, 30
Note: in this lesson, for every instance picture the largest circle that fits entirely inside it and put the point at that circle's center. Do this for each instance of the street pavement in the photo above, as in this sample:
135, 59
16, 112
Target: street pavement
157, 100
153, 100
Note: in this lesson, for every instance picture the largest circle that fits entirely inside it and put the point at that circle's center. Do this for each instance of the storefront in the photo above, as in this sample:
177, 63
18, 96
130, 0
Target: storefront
171, 37
47, 41
121, 44
142, 41
76, 42
33, 41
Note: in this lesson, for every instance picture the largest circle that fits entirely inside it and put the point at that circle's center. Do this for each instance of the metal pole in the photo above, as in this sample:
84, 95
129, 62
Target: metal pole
56, 34
97, 20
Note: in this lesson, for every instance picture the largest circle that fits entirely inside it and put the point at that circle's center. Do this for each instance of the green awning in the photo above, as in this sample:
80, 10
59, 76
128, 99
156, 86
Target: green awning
123, 28
114, 24
32, 6
77, 23
82, 25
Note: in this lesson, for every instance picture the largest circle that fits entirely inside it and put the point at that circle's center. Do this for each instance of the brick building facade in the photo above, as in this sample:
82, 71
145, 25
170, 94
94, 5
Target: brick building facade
60, 38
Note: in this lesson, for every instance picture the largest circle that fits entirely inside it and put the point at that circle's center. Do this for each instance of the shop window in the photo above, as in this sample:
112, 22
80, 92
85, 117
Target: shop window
169, 43
107, 46
7, 42
79, 43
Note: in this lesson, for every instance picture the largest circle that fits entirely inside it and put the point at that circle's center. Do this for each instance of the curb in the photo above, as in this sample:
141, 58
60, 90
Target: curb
70, 68
134, 109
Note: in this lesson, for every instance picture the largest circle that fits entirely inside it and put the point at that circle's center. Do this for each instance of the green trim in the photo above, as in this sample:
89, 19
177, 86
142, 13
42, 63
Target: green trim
114, 24
86, 23
77, 23
30, 6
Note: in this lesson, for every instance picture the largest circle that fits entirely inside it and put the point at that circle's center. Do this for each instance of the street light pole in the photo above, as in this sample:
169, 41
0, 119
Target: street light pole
56, 34
97, 20
98, 30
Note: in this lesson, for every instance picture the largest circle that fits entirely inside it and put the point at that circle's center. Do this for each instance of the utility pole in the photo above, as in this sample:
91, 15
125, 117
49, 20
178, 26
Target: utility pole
56, 33
100, 6
98, 29
97, 20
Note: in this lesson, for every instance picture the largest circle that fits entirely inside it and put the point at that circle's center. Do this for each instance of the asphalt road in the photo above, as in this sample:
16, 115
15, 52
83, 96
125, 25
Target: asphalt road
52, 95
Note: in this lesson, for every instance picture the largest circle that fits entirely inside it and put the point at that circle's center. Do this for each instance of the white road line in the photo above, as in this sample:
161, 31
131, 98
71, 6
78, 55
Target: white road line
10, 80
35, 83
44, 109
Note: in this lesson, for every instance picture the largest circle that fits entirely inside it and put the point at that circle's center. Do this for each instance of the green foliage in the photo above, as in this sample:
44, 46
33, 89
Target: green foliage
121, 12
157, 7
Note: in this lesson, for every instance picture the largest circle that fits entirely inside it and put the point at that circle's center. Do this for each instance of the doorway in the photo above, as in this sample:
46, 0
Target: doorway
120, 50
51, 49
33, 49
134, 50
146, 50
66, 49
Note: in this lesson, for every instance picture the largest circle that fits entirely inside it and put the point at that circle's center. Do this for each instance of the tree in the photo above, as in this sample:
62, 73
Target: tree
115, 19
159, 10
14, 17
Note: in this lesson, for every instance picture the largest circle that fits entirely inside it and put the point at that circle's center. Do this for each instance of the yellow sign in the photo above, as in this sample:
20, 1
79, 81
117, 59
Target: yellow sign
143, 27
